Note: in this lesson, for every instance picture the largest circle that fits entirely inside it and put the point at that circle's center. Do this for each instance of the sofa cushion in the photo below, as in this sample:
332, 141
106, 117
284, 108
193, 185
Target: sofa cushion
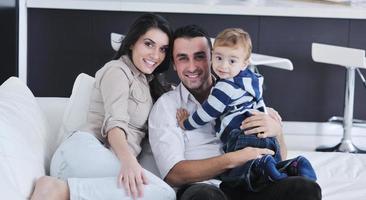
8, 186
24, 139
77, 109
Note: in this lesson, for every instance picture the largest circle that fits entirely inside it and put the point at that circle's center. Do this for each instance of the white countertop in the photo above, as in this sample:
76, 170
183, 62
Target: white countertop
286, 8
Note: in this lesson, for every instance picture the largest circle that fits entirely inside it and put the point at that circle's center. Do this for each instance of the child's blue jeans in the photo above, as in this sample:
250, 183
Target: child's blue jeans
244, 175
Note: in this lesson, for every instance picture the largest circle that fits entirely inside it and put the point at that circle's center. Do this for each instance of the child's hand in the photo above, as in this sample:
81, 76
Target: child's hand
182, 114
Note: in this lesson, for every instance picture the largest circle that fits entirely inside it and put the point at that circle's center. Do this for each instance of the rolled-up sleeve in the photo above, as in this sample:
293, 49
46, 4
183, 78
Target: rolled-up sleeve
165, 137
114, 88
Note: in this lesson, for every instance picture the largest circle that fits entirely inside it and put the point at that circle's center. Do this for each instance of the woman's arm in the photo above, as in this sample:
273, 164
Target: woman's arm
131, 176
115, 90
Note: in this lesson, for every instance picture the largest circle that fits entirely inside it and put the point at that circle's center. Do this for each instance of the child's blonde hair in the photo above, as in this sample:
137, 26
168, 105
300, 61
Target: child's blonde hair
232, 37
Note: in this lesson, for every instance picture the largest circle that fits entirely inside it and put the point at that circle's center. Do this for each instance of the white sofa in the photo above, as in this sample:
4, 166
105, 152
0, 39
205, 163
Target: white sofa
31, 129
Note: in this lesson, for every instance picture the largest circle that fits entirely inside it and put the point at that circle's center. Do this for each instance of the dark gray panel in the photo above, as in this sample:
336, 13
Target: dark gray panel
358, 40
64, 43
103, 24
8, 40
312, 92
59, 48
214, 24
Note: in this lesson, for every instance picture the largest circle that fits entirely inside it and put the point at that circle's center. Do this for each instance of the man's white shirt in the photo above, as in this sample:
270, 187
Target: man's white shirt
169, 143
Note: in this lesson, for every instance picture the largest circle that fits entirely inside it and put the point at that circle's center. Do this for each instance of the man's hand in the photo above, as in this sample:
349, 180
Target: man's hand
274, 114
239, 157
182, 115
267, 125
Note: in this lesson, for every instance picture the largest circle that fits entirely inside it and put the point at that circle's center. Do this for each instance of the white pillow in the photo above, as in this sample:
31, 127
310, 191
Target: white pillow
24, 140
77, 109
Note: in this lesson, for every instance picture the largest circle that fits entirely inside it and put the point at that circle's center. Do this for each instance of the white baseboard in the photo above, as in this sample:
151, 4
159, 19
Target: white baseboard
306, 136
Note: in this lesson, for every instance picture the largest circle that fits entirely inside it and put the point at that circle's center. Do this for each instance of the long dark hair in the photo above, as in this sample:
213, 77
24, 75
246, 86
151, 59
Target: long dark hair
158, 85
141, 25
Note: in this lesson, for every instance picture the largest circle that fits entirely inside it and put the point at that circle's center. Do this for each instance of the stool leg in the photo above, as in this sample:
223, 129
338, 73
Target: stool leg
346, 144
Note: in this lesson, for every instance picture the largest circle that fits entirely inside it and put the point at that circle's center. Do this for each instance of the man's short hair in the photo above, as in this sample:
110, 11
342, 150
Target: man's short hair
191, 31
233, 37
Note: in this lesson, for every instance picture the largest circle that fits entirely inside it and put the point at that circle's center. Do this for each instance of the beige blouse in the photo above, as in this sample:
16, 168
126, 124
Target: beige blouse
120, 98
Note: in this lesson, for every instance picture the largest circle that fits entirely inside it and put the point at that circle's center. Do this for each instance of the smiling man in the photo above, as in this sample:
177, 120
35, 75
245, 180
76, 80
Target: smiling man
192, 159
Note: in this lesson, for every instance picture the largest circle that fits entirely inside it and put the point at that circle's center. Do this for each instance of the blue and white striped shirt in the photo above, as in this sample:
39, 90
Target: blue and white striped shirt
229, 102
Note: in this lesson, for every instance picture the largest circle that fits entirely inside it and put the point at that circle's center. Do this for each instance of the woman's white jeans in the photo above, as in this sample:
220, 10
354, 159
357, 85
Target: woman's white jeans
91, 171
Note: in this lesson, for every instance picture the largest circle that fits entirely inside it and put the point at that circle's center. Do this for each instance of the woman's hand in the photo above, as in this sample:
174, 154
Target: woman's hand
182, 115
266, 125
132, 177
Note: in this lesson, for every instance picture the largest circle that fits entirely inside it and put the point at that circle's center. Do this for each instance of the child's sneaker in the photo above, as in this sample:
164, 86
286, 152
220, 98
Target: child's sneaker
266, 166
299, 166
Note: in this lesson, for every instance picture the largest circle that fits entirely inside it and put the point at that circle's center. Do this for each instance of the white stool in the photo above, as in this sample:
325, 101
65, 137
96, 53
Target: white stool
351, 59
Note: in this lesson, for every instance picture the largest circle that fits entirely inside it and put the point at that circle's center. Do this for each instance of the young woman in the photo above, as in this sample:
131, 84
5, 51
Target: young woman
99, 161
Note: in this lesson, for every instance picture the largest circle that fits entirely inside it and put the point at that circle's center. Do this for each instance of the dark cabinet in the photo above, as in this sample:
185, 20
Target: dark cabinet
8, 39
